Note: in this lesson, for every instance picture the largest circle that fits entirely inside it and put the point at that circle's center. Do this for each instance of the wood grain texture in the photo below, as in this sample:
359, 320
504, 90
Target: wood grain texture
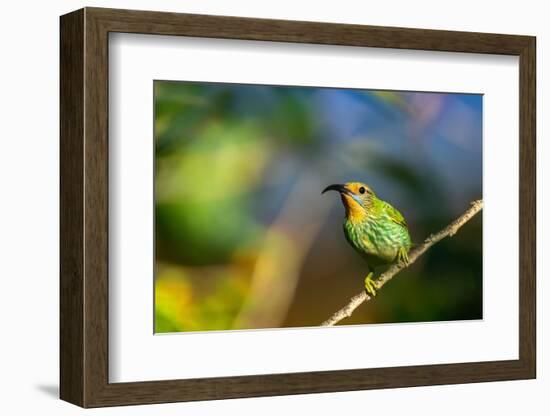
96, 209
527, 208
225, 27
71, 185
84, 207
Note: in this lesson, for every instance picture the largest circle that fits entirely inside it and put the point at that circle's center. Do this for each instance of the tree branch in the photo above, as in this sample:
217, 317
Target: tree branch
414, 254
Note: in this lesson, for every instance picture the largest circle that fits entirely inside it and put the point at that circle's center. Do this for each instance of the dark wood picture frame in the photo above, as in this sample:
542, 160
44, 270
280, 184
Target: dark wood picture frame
84, 207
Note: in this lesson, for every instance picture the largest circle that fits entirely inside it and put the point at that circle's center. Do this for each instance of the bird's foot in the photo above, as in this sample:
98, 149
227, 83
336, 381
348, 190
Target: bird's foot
370, 285
403, 256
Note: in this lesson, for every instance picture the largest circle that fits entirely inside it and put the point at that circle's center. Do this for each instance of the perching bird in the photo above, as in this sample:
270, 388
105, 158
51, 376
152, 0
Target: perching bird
374, 228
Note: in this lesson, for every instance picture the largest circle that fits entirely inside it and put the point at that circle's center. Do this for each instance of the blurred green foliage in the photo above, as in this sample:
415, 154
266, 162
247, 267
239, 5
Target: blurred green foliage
244, 238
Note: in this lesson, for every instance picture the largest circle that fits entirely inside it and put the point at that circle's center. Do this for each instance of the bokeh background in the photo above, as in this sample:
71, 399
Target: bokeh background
244, 238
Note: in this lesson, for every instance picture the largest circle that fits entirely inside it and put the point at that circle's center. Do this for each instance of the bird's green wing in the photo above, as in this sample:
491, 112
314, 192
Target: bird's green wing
394, 215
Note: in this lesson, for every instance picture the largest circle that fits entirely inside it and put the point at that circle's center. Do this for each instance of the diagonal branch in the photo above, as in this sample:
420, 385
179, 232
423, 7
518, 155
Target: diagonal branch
414, 254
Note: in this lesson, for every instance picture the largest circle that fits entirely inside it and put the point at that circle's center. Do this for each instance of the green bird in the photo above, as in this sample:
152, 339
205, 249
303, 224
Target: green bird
373, 228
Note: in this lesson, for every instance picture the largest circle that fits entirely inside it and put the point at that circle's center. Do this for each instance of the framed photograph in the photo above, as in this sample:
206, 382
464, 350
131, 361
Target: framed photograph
255, 207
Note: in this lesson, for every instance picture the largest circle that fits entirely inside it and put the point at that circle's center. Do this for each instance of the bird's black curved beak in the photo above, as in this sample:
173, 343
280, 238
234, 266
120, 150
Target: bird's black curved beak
337, 188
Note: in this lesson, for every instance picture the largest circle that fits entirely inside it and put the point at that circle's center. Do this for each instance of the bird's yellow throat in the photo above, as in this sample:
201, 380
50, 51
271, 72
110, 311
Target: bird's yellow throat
354, 212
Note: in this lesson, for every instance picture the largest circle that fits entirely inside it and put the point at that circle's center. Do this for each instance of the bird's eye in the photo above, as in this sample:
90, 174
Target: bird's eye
362, 190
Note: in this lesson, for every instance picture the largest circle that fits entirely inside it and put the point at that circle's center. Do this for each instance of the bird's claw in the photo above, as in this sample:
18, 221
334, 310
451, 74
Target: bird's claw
370, 285
403, 256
